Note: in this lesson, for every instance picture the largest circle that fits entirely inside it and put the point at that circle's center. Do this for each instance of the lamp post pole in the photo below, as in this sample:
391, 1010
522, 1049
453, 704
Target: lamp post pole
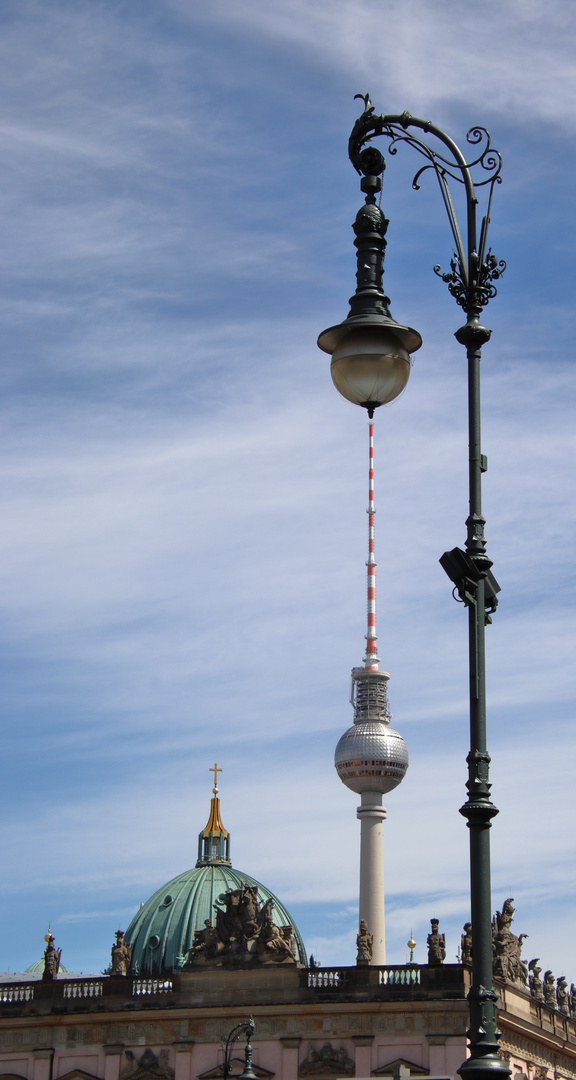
246, 1027
473, 270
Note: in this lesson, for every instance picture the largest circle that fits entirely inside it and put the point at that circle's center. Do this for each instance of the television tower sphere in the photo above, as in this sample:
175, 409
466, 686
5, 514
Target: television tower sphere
371, 756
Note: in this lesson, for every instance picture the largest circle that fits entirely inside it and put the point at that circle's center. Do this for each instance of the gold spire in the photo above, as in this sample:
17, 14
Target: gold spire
214, 840
214, 824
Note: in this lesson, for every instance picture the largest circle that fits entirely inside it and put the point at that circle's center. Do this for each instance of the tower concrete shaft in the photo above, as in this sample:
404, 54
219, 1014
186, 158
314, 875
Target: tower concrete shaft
371, 814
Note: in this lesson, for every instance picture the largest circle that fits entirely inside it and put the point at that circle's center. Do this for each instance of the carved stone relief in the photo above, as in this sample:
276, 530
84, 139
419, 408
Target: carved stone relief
529, 1049
147, 1066
327, 1061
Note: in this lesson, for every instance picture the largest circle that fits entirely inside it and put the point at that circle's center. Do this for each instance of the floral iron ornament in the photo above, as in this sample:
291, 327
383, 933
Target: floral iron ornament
473, 269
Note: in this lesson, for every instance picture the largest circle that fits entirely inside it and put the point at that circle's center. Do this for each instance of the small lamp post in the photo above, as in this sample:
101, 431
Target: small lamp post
245, 1028
370, 367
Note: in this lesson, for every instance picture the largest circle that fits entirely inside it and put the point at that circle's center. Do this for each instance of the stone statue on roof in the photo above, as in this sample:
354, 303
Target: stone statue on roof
436, 945
549, 989
364, 942
535, 982
121, 955
562, 995
51, 959
466, 944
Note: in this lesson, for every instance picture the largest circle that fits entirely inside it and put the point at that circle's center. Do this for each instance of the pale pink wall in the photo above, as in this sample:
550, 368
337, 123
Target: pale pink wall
282, 1057
447, 1055
363, 1057
21, 1065
65, 1060
391, 1047
112, 1059
183, 1062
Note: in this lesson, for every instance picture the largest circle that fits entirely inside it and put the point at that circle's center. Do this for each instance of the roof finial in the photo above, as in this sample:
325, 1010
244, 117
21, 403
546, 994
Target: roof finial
214, 840
215, 770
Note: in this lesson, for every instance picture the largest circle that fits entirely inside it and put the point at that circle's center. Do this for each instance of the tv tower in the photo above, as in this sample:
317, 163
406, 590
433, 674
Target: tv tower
370, 366
371, 758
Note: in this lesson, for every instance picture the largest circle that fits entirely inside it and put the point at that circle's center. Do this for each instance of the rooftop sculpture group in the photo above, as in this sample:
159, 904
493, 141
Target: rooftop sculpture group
508, 964
506, 946
552, 992
507, 961
245, 932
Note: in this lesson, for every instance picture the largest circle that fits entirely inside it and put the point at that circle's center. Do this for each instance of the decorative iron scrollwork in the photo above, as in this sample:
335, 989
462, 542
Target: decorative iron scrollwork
473, 269
484, 289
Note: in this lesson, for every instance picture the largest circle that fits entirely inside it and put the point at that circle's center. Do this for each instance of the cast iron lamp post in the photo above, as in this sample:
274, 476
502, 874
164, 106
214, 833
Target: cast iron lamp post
246, 1027
370, 366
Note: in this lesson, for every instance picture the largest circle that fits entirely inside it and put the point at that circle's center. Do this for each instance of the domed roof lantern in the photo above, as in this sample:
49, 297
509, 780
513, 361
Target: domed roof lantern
214, 840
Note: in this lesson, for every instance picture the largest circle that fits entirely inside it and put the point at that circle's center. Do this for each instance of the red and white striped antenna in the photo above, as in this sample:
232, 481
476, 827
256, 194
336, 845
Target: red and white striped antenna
371, 659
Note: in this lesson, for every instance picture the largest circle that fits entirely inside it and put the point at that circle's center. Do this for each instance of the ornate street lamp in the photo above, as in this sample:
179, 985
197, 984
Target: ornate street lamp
370, 366
246, 1027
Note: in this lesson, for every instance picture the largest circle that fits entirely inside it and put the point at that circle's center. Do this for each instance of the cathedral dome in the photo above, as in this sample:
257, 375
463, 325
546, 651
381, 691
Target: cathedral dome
162, 931
38, 969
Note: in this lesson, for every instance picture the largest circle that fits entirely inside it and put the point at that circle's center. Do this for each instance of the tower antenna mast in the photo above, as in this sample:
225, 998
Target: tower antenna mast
371, 659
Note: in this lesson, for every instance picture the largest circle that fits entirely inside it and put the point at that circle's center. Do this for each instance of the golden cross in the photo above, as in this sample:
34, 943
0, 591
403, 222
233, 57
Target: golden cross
215, 770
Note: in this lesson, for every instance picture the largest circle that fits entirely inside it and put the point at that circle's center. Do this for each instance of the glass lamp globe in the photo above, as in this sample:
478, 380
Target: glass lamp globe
370, 366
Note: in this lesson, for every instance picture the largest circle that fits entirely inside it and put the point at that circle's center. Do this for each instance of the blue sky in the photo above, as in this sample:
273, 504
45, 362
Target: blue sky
184, 491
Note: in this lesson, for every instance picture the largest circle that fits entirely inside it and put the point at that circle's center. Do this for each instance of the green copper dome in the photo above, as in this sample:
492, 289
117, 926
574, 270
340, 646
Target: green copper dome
162, 932
38, 968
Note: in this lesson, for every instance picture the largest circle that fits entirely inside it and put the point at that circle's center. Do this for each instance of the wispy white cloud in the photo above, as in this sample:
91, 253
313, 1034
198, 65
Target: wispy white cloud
184, 494
514, 58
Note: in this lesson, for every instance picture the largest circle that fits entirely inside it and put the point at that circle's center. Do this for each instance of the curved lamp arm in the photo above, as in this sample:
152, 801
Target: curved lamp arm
473, 269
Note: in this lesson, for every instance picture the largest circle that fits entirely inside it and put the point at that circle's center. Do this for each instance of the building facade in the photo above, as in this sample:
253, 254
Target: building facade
372, 1021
